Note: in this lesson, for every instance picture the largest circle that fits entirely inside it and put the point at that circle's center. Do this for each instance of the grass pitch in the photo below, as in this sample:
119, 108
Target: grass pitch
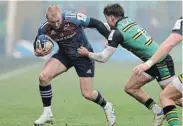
20, 102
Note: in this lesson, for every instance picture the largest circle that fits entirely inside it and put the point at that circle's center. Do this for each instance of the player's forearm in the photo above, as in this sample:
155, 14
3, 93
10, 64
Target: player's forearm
94, 23
165, 48
102, 56
99, 57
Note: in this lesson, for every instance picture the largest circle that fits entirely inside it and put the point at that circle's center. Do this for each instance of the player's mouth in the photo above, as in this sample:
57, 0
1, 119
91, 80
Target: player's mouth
56, 27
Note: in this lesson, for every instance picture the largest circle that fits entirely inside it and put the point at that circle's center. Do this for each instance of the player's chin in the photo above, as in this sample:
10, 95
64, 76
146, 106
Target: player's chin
56, 27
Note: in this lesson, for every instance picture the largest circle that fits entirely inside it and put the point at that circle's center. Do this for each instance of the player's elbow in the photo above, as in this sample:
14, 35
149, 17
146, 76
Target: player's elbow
104, 59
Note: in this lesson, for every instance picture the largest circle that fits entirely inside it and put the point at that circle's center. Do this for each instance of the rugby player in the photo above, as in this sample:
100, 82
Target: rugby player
173, 91
66, 29
135, 39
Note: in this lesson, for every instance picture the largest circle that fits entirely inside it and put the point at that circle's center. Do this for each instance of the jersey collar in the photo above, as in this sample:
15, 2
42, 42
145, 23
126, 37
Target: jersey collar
120, 20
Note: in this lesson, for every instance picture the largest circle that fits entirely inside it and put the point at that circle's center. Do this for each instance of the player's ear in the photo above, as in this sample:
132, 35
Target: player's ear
112, 18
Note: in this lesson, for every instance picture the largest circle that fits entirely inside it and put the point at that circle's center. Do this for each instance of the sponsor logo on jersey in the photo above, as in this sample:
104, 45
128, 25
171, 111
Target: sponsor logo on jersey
81, 16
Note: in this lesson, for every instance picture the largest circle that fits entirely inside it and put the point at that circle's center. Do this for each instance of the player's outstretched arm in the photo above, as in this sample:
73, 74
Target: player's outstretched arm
101, 28
114, 39
172, 40
107, 26
163, 50
88, 22
100, 56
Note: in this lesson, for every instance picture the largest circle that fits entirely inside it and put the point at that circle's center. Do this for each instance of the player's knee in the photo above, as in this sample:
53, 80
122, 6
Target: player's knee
128, 89
163, 96
44, 77
87, 94
179, 102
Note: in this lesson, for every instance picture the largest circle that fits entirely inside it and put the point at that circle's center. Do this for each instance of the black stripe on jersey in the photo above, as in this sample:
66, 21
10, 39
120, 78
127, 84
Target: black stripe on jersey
149, 42
115, 38
180, 78
129, 26
165, 77
161, 64
138, 34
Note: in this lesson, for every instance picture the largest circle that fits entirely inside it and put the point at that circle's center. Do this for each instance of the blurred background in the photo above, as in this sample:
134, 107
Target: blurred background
20, 20
20, 102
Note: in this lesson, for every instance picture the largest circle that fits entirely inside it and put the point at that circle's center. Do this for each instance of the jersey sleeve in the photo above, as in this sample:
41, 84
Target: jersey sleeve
178, 27
78, 18
115, 38
39, 32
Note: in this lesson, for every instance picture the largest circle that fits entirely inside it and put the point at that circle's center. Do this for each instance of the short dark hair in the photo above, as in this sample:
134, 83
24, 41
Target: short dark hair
114, 9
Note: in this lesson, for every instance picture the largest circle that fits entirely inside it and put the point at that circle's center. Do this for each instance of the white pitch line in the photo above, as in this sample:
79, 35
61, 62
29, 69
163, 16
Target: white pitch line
17, 72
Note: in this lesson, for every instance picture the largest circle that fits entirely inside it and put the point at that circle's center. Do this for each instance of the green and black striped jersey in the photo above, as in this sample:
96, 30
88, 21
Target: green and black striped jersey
134, 38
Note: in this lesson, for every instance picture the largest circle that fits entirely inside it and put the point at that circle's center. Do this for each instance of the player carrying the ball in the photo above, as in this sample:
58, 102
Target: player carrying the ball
66, 29
134, 38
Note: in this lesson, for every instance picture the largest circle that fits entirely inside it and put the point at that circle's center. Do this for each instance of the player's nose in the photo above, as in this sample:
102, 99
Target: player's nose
57, 24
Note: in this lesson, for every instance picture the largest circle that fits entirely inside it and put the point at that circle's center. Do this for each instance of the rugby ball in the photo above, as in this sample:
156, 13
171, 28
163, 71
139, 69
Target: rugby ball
44, 42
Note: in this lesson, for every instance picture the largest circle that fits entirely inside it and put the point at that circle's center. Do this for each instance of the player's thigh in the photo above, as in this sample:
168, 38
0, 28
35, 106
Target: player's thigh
53, 68
85, 69
176, 85
171, 92
135, 81
56, 65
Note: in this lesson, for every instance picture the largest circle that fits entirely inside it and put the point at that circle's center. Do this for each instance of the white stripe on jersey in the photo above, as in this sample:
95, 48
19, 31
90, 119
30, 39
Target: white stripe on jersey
44, 24
111, 35
177, 25
70, 15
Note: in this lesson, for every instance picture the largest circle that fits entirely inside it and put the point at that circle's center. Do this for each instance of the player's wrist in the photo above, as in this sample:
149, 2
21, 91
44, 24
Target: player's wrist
149, 63
89, 54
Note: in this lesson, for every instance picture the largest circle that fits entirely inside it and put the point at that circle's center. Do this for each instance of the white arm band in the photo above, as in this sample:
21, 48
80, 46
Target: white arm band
107, 26
149, 63
102, 56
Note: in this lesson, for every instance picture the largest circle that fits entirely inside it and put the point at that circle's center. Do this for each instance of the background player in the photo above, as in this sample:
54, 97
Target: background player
66, 28
135, 39
173, 91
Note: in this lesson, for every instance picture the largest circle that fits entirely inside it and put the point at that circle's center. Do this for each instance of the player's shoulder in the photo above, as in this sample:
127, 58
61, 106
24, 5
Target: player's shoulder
127, 24
114, 33
178, 22
69, 15
126, 21
178, 26
74, 17
43, 26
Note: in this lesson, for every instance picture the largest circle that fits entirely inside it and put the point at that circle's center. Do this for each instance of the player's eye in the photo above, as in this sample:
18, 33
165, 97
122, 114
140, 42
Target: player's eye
54, 21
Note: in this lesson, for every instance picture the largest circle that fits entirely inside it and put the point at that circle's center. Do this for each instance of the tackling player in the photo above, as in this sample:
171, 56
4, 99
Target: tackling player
135, 39
66, 29
173, 91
